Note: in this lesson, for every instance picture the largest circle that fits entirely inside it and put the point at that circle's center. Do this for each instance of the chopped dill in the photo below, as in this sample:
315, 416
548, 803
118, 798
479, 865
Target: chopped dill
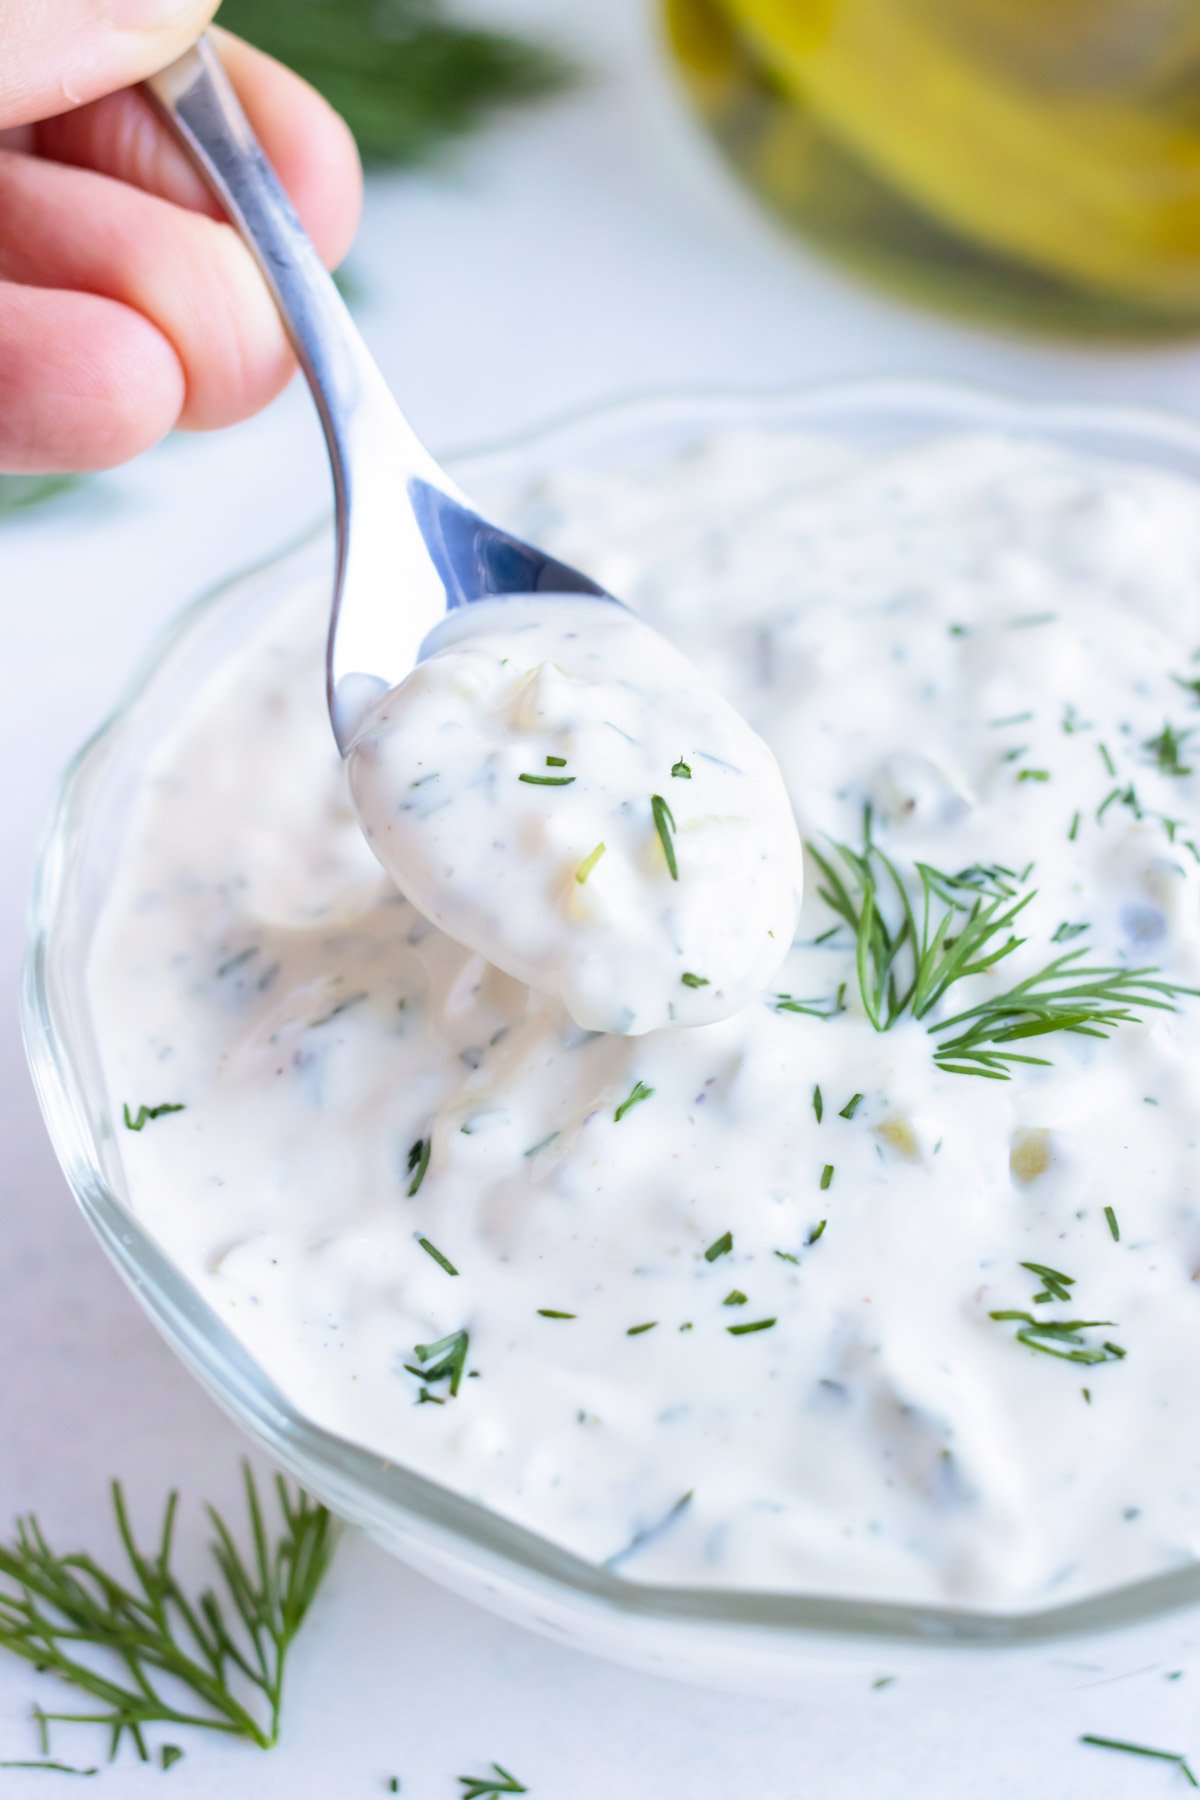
1165, 750
637, 1093
818, 1104
490, 1787
826, 1176
1106, 759
418, 1163
1127, 1749
1113, 1226
550, 1312
664, 824
547, 780
1033, 774
745, 1330
637, 1330
1061, 1338
1073, 833
1065, 932
442, 1261
735, 1297
443, 1361
556, 762
1056, 1285
719, 1247
694, 981
818, 1231
681, 771
144, 1114
851, 1107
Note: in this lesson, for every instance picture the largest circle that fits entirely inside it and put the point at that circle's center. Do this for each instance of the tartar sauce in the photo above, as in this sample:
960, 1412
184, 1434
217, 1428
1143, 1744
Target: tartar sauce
837, 1293
558, 788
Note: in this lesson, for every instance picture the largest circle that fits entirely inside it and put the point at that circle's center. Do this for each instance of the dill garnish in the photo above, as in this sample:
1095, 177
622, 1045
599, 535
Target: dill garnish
418, 1163
637, 1330
549, 1312
851, 1107
664, 824
694, 981
432, 1250
588, 864
818, 1105
1165, 750
1061, 1337
443, 1361
225, 1649
816, 1232
637, 1093
826, 1176
681, 771
1113, 1226
964, 928
1169, 1756
745, 1330
1057, 1286
547, 780
735, 1297
490, 1787
719, 1247
556, 762
146, 1113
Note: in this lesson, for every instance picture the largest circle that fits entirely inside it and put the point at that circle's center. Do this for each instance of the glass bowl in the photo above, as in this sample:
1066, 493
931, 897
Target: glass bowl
758, 1640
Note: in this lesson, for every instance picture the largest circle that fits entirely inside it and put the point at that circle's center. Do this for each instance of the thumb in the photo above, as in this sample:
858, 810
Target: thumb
57, 54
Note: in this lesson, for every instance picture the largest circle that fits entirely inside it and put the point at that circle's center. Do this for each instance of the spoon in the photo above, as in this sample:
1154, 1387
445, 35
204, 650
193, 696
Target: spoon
409, 547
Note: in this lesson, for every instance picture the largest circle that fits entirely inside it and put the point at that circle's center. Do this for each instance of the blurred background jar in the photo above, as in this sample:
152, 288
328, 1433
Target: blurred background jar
1035, 162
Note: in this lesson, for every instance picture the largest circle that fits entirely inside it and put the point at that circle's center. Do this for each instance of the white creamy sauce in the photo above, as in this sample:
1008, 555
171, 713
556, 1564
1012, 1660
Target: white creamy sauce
722, 1328
558, 788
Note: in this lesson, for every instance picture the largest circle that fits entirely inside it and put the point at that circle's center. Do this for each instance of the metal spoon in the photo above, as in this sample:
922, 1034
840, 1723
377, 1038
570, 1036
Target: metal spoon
409, 546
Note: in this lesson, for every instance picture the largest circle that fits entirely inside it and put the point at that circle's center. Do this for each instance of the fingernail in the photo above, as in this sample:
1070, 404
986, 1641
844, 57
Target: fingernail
157, 15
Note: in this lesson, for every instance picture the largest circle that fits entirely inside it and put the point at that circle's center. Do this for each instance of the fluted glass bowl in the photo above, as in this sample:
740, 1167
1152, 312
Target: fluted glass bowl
780, 1642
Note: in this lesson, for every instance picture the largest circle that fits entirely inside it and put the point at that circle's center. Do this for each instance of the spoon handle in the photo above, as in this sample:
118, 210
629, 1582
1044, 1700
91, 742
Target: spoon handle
408, 546
197, 99
387, 593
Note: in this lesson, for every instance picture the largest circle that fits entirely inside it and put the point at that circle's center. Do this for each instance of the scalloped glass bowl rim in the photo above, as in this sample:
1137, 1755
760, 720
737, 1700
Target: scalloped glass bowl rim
357, 1481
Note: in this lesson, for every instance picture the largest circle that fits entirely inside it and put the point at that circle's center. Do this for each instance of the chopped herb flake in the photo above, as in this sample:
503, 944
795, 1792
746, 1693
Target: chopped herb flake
745, 1330
637, 1093
442, 1261
694, 981
826, 1176
664, 824
719, 1247
588, 864
418, 1163
146, 1113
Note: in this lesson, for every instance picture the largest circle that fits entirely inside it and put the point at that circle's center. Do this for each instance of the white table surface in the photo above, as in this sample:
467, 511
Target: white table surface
590, 248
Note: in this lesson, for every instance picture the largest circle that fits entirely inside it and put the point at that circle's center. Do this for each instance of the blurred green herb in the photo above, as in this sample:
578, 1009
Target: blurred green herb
404, 75
22, 493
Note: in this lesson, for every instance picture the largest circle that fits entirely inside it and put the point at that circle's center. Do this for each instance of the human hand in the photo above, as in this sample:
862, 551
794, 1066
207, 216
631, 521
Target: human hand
127, 306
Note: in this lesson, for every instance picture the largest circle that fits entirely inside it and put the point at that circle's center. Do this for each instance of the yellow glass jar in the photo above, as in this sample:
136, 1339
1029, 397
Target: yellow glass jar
1036, 161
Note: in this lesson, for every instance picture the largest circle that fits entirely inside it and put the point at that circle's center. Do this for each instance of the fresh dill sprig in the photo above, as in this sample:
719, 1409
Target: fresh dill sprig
1056, 1286
664, 824
490, 1787
144, 1114
406, 75
444, 1361
959, 926
223, 1651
